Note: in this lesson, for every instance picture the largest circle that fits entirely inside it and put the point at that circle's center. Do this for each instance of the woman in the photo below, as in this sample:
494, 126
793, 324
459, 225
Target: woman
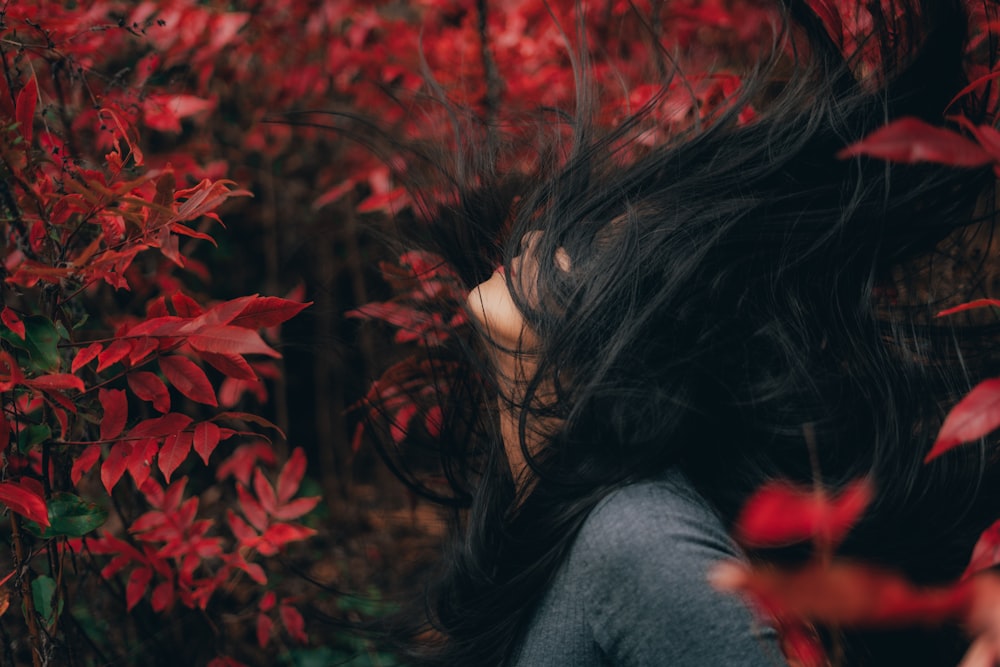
666, 324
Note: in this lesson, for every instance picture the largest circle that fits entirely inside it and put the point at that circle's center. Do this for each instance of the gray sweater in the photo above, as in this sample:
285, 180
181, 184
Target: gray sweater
633, 590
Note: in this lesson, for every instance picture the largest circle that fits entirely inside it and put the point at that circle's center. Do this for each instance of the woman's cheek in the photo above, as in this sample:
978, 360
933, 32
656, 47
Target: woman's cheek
493, 307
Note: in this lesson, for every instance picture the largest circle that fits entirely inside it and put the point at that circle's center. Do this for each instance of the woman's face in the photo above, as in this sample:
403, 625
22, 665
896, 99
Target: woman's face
493, 306
511, 343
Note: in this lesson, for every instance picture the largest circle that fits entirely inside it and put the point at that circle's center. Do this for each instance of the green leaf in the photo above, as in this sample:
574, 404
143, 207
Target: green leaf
42, 590
31, 436
61, 330
69, 516
41, 339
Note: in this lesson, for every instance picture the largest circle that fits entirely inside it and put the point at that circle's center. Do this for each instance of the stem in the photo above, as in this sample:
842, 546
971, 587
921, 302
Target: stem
494, 84
6, 74
24, 576
272, 263
657, 25
823, 546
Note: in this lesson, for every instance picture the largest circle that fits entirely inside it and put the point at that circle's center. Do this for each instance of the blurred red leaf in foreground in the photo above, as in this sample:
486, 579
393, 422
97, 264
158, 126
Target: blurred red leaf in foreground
780, 513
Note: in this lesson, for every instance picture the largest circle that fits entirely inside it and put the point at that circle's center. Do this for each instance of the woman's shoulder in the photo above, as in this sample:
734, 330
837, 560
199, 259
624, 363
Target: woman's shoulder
641, 565
664, 517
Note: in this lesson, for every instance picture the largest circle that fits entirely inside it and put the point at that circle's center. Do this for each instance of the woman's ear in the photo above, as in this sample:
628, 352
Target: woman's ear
562, 260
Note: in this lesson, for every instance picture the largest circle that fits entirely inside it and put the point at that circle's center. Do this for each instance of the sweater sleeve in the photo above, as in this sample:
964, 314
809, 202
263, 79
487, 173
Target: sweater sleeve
641, 562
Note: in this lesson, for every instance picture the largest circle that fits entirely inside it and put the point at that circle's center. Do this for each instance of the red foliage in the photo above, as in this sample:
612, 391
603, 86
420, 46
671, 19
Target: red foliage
912, 140
113, 177
86, 204
975, 416
780, 514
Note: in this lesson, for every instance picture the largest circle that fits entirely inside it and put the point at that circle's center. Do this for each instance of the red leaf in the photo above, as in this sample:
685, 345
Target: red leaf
434, 421
205, 197
206, 439
12, 322
250, 417
60, 416
230, 365
115, 352
159, 326
244, 534
978, 83
268, 602
173, 452
780, 513
115, 565
397, 314
388, 202
138, 583
188, 378
5, 433
989, 138
25, 108
332, 195
220, 313
56, 381
294, 623
114, 466
163, 112
184, 305
827, 12
163, 596
358, 438
280, 534
184, 230
264, 491
115, 407
295, 508
802, 645
159, 427
84, 462
264, 627
85, 356
975, 416
147, 522
157, 308
400, 426
224, 339
25, 499
60, 398
173, 496
241, 462
251, 508
124, 131
978, 303
268, 311
232, 391
149, 387
140, 460
291, 475
142, 348
981, 617
844, 594
987, 550
10, 372
225, 660
912, 140
255, 571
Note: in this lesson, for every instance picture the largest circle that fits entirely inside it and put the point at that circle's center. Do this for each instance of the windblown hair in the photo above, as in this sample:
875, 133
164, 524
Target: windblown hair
724, 292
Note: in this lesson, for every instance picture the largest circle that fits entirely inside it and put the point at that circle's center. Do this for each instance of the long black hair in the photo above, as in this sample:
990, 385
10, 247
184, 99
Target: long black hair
727, 285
